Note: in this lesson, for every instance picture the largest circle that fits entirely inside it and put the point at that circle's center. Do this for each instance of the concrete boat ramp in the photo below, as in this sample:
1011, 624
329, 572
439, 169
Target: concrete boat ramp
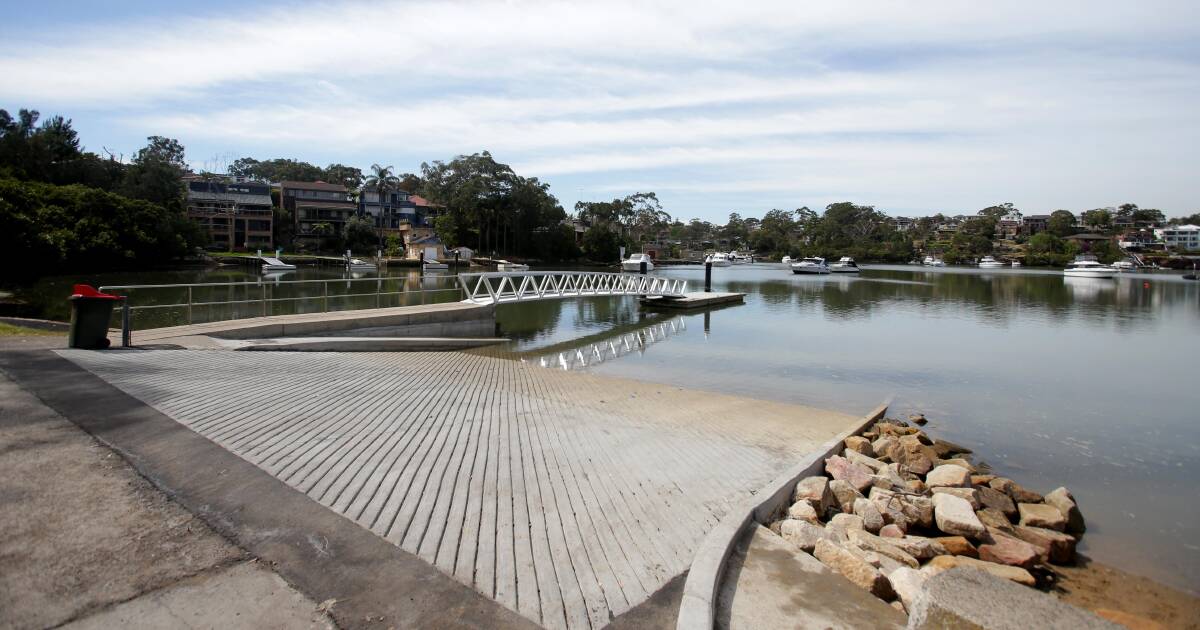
568, 498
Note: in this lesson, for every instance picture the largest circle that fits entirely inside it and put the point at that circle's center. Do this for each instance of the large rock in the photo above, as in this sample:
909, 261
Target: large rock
969, 494
844, 494
856, 475
981, 480
1061, 498
1053, 546
1041, 515
1005, 549
955, 516
803, 534
815, 491
969, 598
957, 545
916, 486
913, 456
919, 547
993, 518
956, 461
847, 522
944, 448
854, 569
902, 509
891, 530
907, 583
1014, 490
997, 500
881, 546
871, 518
883, 446
863, 460
948, 476
802, 511
860, 444
945, 563
889, 478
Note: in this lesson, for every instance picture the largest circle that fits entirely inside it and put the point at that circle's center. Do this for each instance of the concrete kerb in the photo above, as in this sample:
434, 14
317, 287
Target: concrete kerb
698, 604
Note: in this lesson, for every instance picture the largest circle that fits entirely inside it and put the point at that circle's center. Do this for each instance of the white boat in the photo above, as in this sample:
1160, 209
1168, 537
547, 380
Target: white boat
987, 262
740, 259
634, 263
1016, 263
434, 264
719, 259
810, 265
930, 261
504, 265
1124, 266
274, 264
1086, 266
787, 260
358, 264
845, 264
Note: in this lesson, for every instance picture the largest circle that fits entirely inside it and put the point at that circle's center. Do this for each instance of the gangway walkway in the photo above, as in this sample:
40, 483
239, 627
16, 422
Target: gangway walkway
526, 286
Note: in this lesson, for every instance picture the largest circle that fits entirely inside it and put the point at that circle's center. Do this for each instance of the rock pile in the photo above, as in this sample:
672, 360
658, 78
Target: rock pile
895, 508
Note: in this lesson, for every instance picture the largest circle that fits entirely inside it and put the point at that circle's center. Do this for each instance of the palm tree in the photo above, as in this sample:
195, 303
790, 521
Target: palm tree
382, 180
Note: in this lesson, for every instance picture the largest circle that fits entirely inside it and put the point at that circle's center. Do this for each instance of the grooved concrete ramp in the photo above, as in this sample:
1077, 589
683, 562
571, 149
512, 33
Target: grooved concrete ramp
566, 497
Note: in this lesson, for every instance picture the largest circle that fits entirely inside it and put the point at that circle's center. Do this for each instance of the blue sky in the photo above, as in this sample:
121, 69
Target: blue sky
913, 107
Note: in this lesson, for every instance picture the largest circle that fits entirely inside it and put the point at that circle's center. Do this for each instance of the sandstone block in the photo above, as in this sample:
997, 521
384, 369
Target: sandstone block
957, 461
882, 546
997, 500
1004, 549
969, 494
803, 534
844, 494
856, 475
907, 583
944, 448
945, 563
891, 530
864, 460
854, 569
957, 545
860, 444
991, 517
871, 517
955, 516
948, 476
1041, 515
815, 491
1061, 498
1055, 547
968, 598
802, 511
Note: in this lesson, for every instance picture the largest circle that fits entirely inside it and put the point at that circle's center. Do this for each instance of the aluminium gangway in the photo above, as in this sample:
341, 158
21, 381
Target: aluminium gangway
524, 286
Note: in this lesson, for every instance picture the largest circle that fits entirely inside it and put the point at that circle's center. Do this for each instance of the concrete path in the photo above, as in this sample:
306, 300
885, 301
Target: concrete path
565, 497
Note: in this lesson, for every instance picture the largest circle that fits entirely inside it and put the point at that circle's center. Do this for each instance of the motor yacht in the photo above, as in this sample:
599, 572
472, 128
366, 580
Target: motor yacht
719, 259
810, 265
987, 262
1124, 266
634, 262
740, 259
504, 265
845, 264
1086, 266
930, 261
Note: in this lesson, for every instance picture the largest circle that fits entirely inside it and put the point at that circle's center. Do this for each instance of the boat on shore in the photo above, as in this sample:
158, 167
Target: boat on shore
1086, 266
1125, 266
845, 264
358, 264
274, 264
433, 264
810, 266
931, 261
988, 262
635, 261
718, 259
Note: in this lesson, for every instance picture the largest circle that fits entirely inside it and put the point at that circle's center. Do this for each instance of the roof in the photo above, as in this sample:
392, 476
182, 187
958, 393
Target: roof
325, 203
1189, 227
238, 198
426, 239
421, 201
1088, 237
314, 186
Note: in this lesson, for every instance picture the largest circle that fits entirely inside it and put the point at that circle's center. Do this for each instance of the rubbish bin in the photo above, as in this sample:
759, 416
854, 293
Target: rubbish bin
91, 311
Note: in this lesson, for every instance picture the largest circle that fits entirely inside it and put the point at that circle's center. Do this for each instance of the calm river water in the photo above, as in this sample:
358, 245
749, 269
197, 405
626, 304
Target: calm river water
1053, 381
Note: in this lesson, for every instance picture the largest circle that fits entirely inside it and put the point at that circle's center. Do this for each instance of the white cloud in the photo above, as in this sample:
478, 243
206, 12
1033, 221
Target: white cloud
919, 102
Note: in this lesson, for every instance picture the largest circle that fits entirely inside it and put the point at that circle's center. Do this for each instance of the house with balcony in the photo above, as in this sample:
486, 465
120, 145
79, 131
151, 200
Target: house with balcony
389, 210
236, 214
1034, 223
1179, 237
1009, 225
315, 203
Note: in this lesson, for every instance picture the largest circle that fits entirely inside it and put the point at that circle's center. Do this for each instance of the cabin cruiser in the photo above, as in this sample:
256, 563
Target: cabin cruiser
358, 264
810, 265
1124, 265
719, 259
274, 264
740, 259
504, 265
634, 262
1016, 263
987, 262
930, 261
433, 264
1086, 266
845, 264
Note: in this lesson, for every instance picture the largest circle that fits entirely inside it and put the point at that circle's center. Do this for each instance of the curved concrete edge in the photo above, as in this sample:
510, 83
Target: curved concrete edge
367, 344
698, 604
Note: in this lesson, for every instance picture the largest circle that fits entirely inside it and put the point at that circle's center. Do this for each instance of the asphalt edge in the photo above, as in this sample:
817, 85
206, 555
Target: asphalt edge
697, 608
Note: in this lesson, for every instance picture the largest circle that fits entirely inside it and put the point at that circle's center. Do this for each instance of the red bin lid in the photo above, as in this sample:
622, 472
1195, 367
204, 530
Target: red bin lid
88, 291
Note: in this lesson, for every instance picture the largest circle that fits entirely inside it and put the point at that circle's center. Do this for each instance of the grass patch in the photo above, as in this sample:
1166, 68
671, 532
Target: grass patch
8, 330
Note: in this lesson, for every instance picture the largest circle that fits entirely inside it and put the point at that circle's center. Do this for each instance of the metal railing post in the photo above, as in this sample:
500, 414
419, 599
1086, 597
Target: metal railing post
325, 296
263, 299
189, 305
126, 334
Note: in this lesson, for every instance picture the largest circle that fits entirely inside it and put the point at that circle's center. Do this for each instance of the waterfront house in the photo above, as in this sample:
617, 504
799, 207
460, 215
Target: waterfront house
1137, 239
1009, 225
315, 203
236, 215
464, 253
1034, 223
1179, 237
388, 210
904, 224
428, 244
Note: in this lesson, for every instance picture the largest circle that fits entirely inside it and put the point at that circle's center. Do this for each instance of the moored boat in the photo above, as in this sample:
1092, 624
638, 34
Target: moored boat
931, 261
718, 259
357, 264
845, 264
810, 265
433, 264
987, 262
635, 261
504, 265
787, 260
1124, 266
1086, 266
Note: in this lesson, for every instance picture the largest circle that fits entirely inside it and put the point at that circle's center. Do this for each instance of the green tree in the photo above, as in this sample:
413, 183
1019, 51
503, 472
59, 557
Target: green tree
1100, 219
358, 235
349, 176
1188, 220
1061, 223
156, 173
602, 244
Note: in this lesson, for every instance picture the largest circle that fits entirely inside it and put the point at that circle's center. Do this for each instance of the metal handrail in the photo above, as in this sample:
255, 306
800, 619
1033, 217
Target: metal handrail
541, 285
324, 297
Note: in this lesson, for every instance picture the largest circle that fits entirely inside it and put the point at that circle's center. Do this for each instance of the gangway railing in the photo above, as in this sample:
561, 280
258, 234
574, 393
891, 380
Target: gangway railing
597, 352
265, 294
524, 286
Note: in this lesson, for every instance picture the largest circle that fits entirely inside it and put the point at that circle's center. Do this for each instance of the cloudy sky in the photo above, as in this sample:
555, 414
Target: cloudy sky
913, 107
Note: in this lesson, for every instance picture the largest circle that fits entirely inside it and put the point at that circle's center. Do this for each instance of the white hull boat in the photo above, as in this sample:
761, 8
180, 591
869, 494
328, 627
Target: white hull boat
787, 260
1124, 266
357, 264
634, 263
274, 264
930, 261
845, 265
504, 265
1016, 263
810, 266
1086, 266
987, 262
434, 265
718, 259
